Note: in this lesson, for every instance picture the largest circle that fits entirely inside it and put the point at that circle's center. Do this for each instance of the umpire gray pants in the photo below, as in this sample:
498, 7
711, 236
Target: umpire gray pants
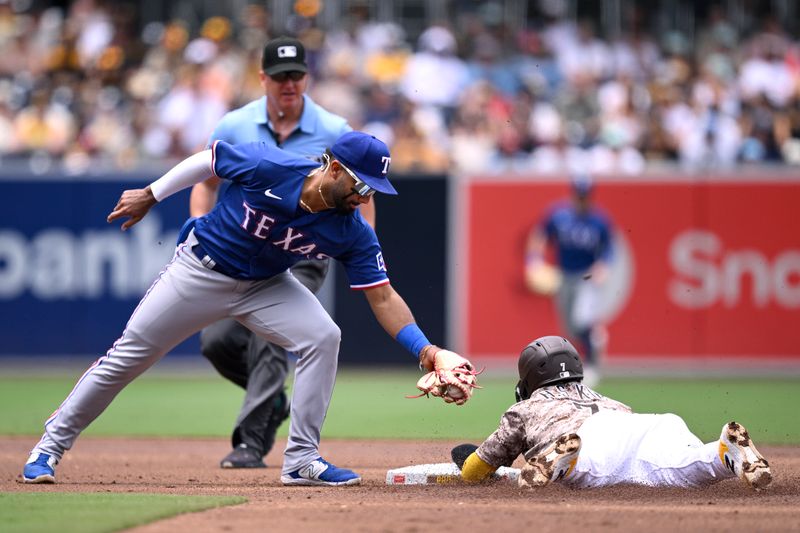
185, 298
255, 364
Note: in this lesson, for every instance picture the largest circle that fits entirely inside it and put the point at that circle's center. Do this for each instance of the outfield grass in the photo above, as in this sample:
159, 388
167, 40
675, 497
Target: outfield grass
96, 512
371, 404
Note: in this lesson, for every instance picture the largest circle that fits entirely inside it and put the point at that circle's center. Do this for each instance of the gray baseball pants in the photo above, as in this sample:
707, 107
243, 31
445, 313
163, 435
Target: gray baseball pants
185, 298
255, 364
577, 307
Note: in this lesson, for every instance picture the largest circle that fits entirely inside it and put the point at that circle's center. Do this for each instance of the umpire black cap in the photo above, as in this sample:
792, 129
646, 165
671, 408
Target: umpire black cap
547, 361
283, 54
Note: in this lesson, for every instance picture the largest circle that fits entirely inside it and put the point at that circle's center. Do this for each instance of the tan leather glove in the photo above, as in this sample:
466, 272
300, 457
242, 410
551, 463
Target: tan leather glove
453, 378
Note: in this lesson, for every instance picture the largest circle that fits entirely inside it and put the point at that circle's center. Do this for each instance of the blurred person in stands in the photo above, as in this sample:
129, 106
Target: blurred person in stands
472, 141
581, 236
413, 150
758, 132
386, 65
189, 110
584, 54
336, 92
288, 118
44, 125
435, 59
9, 143
787, 132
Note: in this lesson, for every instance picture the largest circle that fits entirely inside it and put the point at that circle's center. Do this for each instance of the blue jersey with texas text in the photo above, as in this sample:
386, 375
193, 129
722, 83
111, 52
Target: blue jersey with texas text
258, 228
580, 238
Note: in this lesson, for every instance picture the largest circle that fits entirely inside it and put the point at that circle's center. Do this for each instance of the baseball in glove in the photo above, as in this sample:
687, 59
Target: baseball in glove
451, 379
542, 278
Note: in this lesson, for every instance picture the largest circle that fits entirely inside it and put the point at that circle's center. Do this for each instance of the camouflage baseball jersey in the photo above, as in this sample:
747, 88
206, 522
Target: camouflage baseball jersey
549, 413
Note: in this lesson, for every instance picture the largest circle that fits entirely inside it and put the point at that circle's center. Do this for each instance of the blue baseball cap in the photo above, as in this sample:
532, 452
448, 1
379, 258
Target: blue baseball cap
367, 157
582, 184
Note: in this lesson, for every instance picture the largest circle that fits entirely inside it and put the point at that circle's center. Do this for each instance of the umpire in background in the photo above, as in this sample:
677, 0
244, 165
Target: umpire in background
287, 118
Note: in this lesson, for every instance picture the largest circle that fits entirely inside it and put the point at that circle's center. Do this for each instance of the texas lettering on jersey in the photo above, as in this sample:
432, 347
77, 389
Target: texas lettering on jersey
258, 224
257, 229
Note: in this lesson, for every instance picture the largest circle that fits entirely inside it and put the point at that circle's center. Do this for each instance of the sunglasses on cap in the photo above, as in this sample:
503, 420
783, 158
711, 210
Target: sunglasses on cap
294, 75
361, 188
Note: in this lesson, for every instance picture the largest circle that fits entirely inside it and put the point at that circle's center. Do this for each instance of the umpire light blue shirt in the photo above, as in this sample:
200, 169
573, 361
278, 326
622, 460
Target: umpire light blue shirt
317, 130
258, 229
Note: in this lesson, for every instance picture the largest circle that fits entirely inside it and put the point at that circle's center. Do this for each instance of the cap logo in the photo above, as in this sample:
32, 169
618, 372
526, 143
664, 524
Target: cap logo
385, 160
287, 51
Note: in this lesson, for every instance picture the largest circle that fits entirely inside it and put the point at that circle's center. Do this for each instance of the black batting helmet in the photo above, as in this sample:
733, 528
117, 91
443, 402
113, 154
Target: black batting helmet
547, 361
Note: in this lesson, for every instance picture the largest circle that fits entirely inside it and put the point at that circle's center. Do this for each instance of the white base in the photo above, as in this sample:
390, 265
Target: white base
440, 473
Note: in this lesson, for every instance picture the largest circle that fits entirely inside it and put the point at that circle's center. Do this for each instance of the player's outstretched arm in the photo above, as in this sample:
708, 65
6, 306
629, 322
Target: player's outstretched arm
535, 246
450, 376
136, 203
389, 309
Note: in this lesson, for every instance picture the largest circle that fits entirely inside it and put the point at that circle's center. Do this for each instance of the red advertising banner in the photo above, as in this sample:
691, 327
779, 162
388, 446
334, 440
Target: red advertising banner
701, 269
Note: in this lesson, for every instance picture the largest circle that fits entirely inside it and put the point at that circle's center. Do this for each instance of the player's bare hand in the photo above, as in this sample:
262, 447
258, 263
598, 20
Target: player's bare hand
134, 204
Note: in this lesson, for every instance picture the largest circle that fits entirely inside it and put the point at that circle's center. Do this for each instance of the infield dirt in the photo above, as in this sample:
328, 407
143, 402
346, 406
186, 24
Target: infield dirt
172, 466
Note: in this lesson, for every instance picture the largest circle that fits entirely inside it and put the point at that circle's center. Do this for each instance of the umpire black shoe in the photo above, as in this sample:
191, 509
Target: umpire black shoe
243, 457
281, 408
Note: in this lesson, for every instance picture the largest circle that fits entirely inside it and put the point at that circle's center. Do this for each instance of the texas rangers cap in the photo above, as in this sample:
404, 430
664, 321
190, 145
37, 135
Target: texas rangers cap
283, 54
367, 157
582, 184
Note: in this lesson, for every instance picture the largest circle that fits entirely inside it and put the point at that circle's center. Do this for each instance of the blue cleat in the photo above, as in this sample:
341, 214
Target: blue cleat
321, 472
40, 468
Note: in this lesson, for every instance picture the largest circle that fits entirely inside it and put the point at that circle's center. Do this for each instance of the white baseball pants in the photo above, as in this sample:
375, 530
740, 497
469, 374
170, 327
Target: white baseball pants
185, 298
657, 450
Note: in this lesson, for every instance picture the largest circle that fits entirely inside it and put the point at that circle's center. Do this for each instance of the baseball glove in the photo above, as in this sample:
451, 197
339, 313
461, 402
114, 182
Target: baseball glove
542, 278
451, 379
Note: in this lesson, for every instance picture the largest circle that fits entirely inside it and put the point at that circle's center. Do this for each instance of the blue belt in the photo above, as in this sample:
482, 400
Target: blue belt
204, 258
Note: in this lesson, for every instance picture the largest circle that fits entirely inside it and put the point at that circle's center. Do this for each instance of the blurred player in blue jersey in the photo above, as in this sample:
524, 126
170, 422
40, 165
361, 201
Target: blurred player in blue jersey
581, 237
278, 210
289, 119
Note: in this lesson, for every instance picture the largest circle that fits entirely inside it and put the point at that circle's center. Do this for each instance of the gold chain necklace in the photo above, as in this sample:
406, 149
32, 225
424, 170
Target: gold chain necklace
305, 206
319, 190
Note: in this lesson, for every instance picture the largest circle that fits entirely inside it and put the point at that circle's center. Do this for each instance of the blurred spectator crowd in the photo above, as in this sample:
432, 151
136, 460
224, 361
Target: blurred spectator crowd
86, 86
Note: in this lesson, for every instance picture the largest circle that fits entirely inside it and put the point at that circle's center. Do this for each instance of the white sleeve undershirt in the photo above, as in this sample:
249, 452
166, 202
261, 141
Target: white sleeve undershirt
188, 172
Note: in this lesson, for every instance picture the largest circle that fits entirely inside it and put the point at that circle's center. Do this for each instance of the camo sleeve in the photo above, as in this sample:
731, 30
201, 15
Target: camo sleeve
506, 443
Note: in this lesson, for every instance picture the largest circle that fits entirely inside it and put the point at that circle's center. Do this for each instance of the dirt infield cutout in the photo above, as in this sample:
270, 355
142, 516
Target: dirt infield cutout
190, 467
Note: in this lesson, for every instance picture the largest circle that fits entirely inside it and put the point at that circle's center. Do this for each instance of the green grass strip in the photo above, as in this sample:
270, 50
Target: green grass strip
372, 404
96, 512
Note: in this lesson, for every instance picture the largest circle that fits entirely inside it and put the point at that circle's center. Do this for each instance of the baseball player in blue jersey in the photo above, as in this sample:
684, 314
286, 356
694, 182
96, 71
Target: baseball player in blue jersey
581, 236
287, 118
278, 210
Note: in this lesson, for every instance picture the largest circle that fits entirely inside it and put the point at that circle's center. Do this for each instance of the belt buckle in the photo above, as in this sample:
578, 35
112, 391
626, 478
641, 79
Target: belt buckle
208, 262
204, 258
